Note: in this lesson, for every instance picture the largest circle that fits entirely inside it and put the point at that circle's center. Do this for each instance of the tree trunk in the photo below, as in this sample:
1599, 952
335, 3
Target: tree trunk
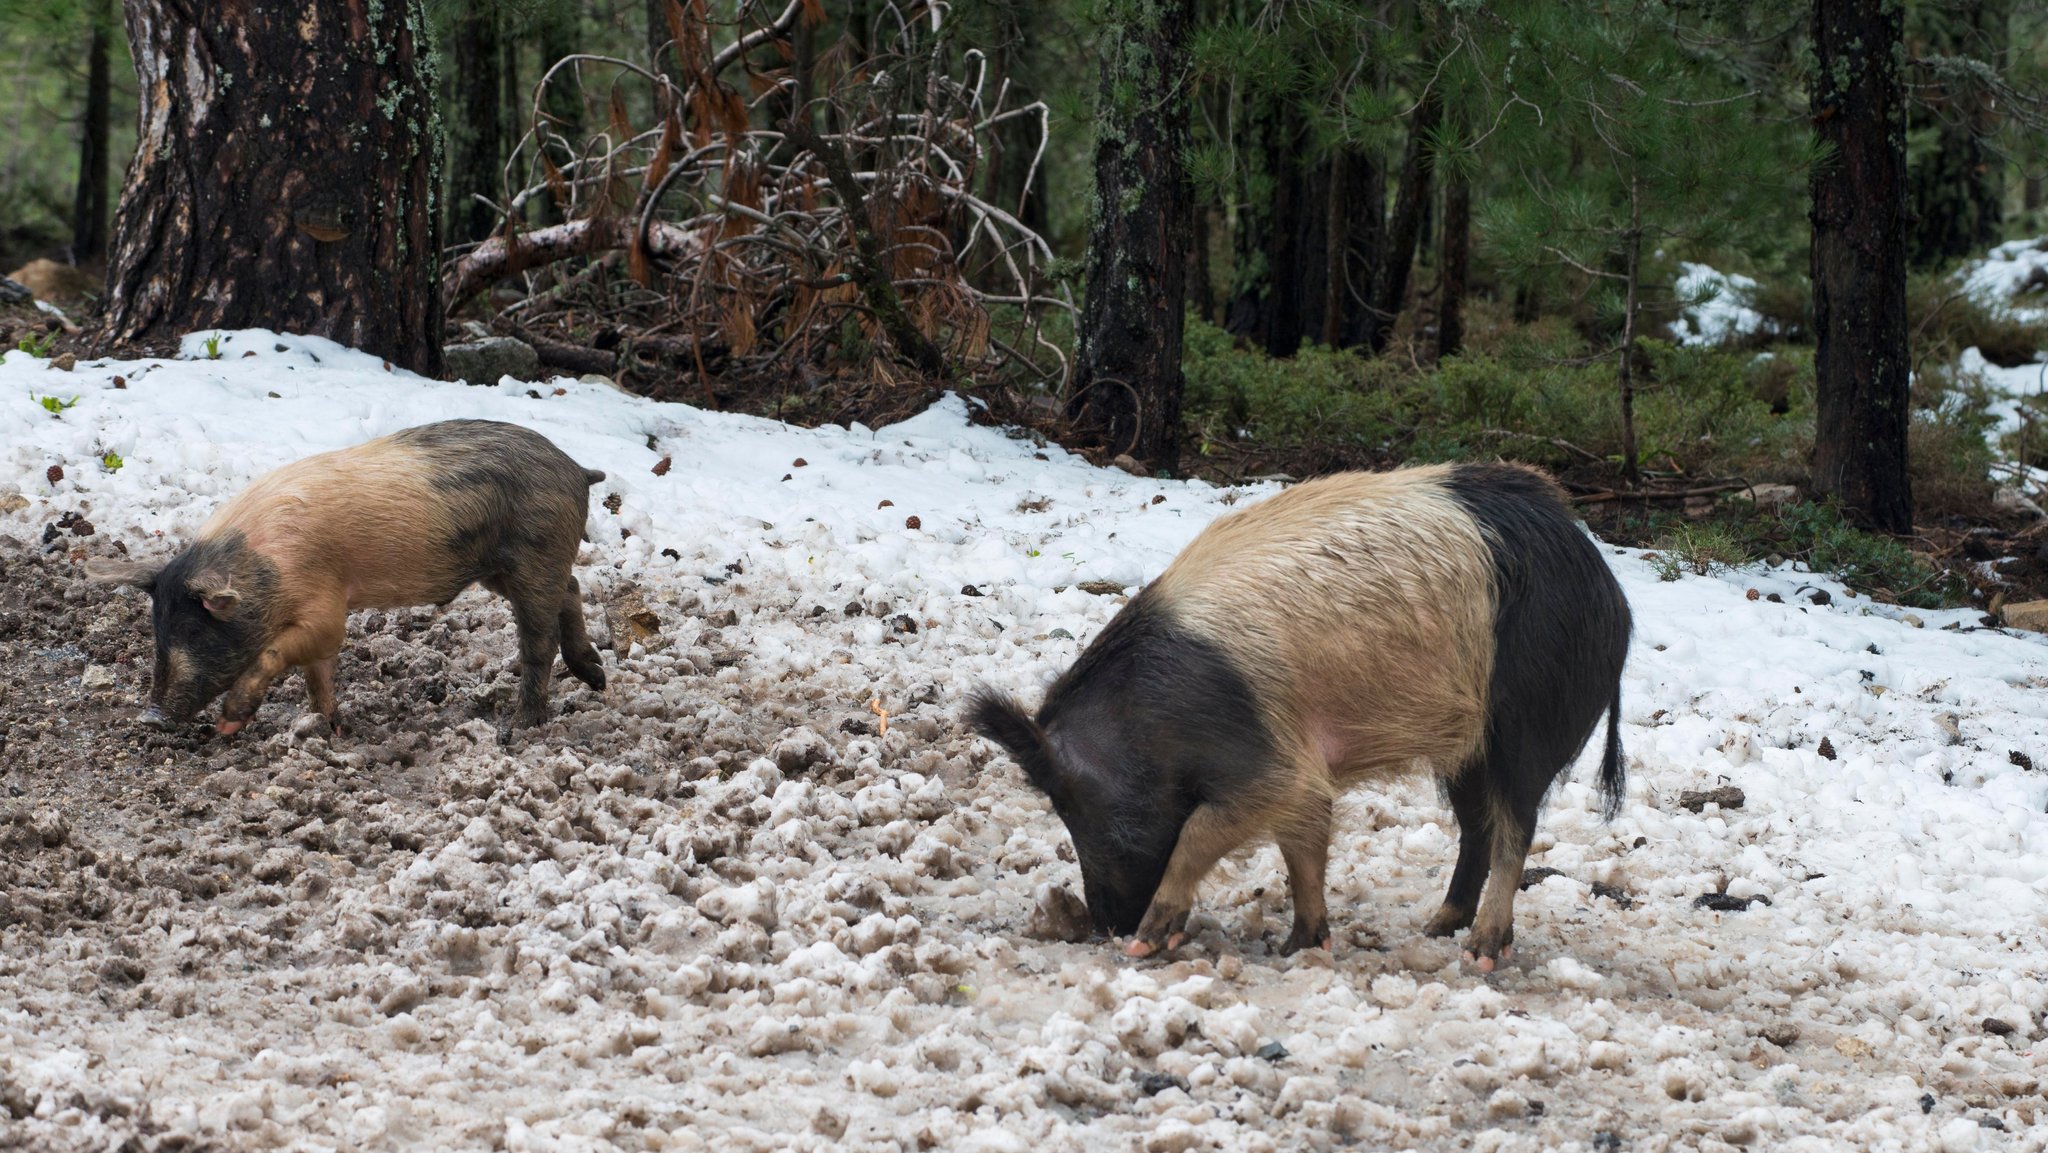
1625, 373
1859, 263
1201, 295
89, 204
1293, 206
284, 177
476, 150
1365, 183
1127, 384
1390, 285
1456, 261
513, 124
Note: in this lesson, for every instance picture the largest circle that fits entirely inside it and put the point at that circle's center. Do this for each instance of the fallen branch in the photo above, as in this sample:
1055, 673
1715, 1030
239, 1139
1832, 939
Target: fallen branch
1669, 494
1554, 441
498, 257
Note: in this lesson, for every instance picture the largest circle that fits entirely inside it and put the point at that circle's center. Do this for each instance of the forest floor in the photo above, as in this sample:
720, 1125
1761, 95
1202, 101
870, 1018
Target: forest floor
722, 905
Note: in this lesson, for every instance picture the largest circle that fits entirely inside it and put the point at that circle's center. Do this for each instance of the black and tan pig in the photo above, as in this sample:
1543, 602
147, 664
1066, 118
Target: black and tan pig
1452, 620
408, 519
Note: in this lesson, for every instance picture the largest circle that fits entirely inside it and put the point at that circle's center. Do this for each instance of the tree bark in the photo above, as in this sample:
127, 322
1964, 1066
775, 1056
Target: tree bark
1390, 285
1127, 384
476, 146
89, 204
1456, 260
1365, 239
1859, 263
284, 176
1625, 372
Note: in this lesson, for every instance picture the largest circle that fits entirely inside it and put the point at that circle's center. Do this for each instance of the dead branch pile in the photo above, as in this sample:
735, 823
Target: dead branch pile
772, 227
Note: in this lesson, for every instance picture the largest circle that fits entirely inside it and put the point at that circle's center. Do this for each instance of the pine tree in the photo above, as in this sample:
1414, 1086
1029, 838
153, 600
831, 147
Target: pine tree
1860, 365
275, 201
1624, 135
1127, 383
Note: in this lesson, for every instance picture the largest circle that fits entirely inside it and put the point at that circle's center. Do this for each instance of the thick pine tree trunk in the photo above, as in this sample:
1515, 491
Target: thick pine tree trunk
1404, 229
1859, 263
284, 176
89, 204
1127, 384
476, 146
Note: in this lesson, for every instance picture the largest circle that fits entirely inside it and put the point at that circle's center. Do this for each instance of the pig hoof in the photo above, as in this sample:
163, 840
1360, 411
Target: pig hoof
228, 728
1447, 921
153, 718
1304, 937
1138, 948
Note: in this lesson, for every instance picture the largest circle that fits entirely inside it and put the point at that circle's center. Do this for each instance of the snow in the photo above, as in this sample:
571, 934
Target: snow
2013, 275
1720, 311
780, 957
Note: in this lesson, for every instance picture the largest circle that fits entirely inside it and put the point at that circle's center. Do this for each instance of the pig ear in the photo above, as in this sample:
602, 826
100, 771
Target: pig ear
133, 573
216, 590
995, 716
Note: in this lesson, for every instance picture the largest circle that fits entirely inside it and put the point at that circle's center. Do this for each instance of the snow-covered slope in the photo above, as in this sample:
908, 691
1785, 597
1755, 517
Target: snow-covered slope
865, 976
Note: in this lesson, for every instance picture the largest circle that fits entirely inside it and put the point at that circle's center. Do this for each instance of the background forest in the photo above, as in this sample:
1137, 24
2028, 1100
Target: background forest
1220, 237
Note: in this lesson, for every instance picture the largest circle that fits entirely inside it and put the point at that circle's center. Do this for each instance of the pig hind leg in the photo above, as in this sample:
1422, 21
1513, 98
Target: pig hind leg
536, 610
577, 651
1474, 810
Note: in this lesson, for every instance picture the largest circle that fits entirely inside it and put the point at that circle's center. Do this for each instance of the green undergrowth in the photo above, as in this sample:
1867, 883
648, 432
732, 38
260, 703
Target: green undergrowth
1535, 398
1813, 534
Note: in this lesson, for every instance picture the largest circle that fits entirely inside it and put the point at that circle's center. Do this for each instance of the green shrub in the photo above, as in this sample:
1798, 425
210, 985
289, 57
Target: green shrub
1821, 536
1698, 549
1944, 320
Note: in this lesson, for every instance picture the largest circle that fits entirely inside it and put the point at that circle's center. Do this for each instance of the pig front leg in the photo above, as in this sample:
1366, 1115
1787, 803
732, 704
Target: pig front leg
295, 644
1210, 833
1305, 846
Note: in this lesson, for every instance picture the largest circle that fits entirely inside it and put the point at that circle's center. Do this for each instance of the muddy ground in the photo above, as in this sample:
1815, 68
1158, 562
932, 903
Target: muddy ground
714, 909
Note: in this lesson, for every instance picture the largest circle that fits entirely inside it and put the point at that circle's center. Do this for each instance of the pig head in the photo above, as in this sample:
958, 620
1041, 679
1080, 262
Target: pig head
210, 606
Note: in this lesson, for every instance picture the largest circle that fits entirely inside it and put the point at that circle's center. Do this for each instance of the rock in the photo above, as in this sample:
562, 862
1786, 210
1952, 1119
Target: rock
1826, 749
1913, 621
1853, 1047
2029, 615
491, 359
1129, 464
13, 292
1997, 1027
12, 502
1728, 903
64, 362
60, 284
1727, 796
1538, 875
1153, 1084
1101, 588
1772, 495
96, 677
1780, 1033
1271, 1051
